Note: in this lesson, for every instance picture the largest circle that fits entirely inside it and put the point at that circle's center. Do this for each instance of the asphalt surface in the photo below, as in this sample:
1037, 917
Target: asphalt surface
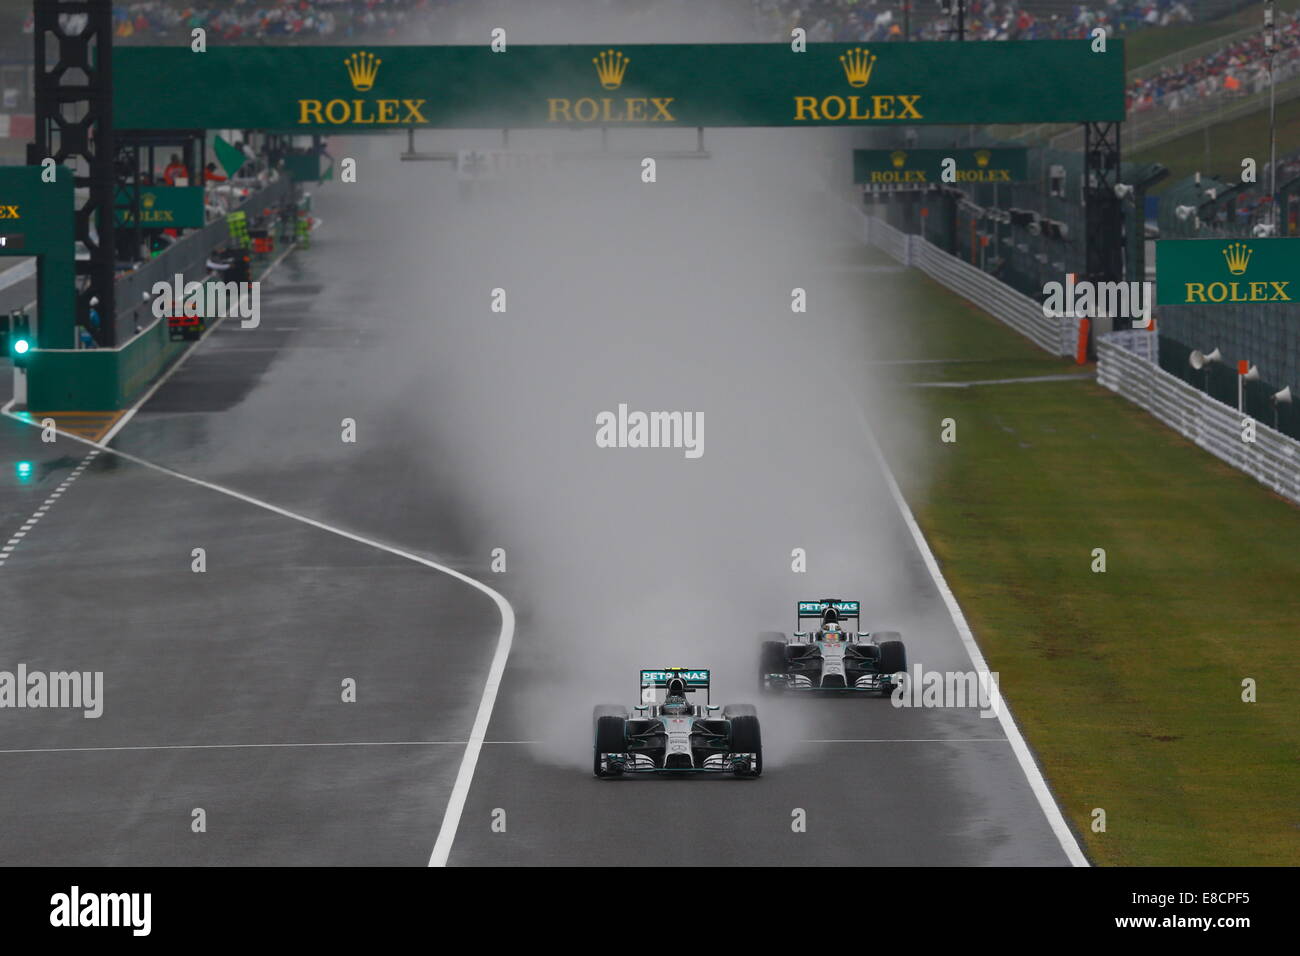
223, 688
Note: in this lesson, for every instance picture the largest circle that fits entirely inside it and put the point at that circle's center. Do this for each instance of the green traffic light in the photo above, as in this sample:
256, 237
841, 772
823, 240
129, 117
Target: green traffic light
22, 347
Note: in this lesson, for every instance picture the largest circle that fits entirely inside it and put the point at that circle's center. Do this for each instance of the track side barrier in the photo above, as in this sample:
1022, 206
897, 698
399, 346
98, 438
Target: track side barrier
1272, 459
1127, 364
1056, 335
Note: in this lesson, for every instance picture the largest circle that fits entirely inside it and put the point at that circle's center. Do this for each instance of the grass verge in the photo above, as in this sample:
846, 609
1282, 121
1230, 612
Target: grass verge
1126, 683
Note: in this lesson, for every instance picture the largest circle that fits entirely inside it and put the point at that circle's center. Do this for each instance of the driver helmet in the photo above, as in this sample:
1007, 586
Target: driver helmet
675, 702
832, 632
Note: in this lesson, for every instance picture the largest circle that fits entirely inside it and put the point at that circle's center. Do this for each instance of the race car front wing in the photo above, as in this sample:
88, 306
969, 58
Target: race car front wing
875, 682
643, 763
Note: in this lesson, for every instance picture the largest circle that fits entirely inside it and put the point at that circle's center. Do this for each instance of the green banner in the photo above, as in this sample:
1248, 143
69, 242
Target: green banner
738, 84
924, 167
36, 219
1218, 271
165, 207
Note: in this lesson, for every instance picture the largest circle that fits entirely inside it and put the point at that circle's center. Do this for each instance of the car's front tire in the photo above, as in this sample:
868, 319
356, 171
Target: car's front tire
771, 660
746, 738
611, 738
893, 655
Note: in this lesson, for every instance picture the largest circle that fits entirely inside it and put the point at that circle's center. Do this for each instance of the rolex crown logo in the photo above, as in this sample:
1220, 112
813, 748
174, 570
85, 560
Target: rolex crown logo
362, 69
610, 67
147, 200
1238, 255
982, 157
857, 65
898, 158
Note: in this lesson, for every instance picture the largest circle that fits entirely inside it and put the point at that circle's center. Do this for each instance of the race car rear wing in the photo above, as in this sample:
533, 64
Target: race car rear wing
807, 609
695, 680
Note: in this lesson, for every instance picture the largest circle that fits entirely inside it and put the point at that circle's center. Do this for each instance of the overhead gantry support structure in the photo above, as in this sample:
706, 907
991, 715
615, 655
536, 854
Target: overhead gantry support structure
1102, 207
74, 126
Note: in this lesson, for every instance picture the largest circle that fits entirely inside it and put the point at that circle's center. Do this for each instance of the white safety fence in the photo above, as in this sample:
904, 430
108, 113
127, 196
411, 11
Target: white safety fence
1143, 343
1273, 459
1057, 335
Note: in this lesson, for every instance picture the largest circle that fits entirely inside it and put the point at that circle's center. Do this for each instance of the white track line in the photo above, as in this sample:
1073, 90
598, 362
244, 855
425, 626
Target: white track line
345, 743
7, 551
1027, 763
1074, 377
465, 775
912, 740
332, 743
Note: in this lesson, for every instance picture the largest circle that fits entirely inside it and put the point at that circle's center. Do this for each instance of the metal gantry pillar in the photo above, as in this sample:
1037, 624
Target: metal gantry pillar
1103, 208
74, 125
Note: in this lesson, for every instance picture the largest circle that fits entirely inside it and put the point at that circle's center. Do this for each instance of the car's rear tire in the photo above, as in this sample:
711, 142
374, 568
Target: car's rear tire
611, 738
739, 710
771, 660
747, 739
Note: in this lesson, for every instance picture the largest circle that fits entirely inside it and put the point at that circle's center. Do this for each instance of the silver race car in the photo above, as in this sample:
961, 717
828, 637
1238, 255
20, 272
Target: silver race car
669, 734
833, 657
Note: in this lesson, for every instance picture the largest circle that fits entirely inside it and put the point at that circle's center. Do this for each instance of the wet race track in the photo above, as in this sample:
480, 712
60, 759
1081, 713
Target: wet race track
326, 568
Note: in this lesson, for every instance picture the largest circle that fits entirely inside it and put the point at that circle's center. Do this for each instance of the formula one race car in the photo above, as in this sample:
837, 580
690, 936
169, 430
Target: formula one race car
831, 658
673, 735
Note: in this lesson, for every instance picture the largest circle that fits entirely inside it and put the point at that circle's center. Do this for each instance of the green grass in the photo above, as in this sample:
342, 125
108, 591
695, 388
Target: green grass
1229, 143
1127, 683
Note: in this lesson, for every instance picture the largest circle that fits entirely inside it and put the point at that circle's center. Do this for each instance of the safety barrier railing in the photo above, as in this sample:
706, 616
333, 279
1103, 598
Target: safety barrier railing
1057, 335
1272, 459
1127, 363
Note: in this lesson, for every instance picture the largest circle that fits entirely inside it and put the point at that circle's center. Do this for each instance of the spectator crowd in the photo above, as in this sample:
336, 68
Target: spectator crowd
274, 20
879, 20
825, 20
1235, 69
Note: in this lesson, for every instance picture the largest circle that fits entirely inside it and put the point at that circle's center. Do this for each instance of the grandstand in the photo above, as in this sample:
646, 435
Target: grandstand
878, 20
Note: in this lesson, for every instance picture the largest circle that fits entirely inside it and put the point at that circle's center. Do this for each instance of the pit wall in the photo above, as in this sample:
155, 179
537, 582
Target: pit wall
95, 380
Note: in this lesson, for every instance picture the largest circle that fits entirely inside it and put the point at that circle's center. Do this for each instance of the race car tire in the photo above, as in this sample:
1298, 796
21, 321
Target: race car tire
609, 710
893, 655
746, 739
610, 739
732, 711
771, 661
